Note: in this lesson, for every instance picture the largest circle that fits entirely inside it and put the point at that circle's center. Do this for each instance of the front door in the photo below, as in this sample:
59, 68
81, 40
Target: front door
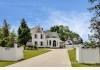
54, 43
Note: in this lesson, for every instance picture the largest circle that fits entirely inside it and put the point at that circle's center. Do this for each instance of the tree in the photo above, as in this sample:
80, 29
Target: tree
95, 21
6, 37
5, 28
64, 32
1, 36
61, 30
23, 33
13, 33
4, 34
11, 39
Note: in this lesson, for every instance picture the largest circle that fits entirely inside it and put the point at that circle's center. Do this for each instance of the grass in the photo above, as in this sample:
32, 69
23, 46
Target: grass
27, 54
74, 63
6, 63
32, 53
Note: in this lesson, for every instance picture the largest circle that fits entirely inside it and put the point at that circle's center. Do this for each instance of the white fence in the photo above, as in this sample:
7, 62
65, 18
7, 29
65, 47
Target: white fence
11, 54
88, 55
73, 46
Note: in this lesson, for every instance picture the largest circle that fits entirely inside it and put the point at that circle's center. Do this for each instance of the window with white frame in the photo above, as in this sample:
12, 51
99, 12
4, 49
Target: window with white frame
41, 43
35, 36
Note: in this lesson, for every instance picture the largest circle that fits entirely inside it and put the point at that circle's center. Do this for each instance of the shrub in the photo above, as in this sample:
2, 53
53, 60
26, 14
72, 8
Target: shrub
29, 47
35, 47
23, 46
2, 42
7, 41
10, 41
90, 44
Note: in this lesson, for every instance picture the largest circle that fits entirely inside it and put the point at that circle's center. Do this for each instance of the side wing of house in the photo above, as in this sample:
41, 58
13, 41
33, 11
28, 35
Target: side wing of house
53, 40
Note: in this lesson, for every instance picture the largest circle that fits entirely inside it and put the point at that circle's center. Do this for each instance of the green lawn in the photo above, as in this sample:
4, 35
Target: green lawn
74, 63
32, 53
27, 54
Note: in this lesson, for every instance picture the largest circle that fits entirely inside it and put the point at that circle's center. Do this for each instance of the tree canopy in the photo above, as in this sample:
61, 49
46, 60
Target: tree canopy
64, 32
95, 21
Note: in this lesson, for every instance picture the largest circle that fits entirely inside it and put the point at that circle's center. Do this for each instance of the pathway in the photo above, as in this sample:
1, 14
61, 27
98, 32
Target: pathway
54, 58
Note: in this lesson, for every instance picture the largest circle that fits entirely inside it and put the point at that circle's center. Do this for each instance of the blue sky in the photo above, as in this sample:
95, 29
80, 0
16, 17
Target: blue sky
47, 13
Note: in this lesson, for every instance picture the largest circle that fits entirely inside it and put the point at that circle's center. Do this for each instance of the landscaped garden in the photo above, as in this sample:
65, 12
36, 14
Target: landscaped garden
11, 45
27, 54
74, 63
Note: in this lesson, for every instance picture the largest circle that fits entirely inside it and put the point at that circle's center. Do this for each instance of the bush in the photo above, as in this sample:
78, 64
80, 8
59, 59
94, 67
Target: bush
7, 41
23, 46
35, 47
90, 44
29, 47
10, 41
2, 42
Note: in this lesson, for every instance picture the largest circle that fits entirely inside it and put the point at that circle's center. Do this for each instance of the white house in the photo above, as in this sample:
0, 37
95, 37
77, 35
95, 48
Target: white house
45, 39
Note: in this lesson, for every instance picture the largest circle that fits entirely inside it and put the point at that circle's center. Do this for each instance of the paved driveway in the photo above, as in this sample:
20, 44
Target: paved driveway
54, 58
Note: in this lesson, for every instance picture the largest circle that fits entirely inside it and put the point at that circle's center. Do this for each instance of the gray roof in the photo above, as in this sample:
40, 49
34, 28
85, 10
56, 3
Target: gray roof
37, 29
52, 35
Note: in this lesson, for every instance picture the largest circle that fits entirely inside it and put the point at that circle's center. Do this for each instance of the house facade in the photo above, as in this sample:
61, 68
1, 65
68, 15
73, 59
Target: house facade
41, 38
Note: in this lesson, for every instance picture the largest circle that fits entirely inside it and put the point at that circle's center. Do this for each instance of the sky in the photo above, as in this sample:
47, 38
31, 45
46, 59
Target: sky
47, 13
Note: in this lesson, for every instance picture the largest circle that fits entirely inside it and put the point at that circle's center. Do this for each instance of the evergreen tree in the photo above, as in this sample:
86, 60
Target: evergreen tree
23, 33
6, 38
5, 34
5, 29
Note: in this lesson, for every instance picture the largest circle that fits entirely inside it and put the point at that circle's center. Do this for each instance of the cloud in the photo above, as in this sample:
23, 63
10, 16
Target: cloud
77, 21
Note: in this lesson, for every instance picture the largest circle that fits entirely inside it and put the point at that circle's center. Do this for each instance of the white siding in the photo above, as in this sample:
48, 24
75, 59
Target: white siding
52, 39
38, 39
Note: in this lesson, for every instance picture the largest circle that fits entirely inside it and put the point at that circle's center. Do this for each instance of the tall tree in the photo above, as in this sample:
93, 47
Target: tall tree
95, 21
4, 34
5, 29
6, 37
23, 33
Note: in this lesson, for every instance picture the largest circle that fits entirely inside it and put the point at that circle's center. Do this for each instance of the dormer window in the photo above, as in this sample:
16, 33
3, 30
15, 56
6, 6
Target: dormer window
35, 35
38, 30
